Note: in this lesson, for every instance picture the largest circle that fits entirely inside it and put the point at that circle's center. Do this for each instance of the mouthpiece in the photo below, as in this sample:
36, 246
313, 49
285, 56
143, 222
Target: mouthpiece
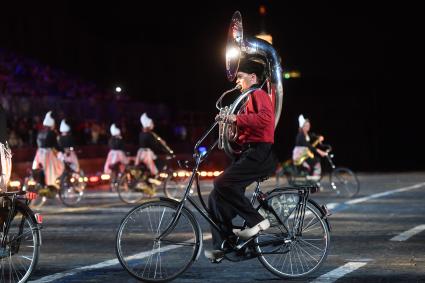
238, 87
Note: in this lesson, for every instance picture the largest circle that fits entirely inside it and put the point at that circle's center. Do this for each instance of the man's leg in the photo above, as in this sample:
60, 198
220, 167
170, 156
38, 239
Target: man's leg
222, 215
253, 164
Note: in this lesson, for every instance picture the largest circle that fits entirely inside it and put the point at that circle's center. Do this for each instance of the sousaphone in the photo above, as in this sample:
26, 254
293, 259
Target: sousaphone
238, 48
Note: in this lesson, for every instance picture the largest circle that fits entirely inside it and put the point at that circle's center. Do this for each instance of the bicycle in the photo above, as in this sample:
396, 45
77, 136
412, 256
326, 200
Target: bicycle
342, 180
295, 245
71, 187
132, 184
135, 183
20, 237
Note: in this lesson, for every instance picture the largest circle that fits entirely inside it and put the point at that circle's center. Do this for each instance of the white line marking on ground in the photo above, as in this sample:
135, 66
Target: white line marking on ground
383, 194
332, 205
100, 265
349, 267
409, 233
339, 272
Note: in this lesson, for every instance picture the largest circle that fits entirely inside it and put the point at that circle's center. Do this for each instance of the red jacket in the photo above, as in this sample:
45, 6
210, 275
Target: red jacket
256, 122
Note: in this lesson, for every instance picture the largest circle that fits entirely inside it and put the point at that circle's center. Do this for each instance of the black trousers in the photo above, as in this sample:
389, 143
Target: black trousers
227, 200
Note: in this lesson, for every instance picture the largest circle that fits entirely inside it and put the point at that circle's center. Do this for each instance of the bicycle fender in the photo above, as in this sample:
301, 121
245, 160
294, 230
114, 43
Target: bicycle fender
201, 242
28, 210
323, 210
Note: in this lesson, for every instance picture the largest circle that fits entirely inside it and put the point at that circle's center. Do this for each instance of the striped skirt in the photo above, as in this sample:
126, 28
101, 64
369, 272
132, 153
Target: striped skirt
46, 159
147, 157
5, 165
71, 158
114, 156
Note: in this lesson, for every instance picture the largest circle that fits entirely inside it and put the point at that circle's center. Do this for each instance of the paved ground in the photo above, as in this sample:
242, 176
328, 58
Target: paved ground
78, 243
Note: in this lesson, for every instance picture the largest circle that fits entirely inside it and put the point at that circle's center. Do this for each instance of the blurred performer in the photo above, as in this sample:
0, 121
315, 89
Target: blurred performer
150, 143
147, 142
46, 155
116, 153
67, 146
256, 135
5, 153
306, 153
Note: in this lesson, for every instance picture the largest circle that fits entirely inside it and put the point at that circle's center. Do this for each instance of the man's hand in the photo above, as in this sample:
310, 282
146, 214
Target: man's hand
227, 119
231, 118
322, 153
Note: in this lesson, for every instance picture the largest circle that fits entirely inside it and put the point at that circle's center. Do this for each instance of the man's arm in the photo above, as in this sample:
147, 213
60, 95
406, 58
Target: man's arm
264, 114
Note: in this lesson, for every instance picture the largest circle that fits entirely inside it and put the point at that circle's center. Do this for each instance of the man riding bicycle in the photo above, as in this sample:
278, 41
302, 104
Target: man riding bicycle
256, 135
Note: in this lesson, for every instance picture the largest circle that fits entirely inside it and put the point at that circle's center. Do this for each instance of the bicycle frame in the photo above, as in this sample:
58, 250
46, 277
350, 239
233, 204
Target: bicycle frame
257, 195
11, 197
8, 220
204, 212
198, 160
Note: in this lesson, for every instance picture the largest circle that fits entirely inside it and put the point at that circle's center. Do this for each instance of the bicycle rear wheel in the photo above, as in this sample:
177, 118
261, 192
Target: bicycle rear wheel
151, 260
20, 255
175, 186
131, 191
71, 189
39, 201
282, 250
344, 182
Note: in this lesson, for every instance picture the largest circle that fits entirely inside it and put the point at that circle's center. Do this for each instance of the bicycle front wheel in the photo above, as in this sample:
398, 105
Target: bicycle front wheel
152, 260
287, 251
20, 255
344, 182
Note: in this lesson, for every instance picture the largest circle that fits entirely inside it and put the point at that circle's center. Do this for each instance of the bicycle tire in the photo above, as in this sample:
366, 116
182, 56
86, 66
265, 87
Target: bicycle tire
71, 192
174, 187
138, 229
39, 201
296, 251
344, 182
126, 193
20, 258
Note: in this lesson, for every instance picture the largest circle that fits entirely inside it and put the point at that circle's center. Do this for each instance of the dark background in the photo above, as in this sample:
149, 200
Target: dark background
362, 65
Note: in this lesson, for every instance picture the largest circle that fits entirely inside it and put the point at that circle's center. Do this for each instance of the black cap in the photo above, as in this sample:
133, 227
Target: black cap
251, 66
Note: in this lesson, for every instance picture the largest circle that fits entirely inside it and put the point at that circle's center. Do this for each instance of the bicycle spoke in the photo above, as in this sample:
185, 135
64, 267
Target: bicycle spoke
303, 252
167, 257
21, 248
310, 244
179, 243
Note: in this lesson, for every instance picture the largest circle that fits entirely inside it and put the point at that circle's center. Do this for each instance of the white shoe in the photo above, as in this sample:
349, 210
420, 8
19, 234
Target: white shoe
214, 255
154, 181
250, 232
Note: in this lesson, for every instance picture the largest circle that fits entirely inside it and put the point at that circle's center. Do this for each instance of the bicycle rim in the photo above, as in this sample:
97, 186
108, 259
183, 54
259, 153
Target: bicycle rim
130, 193
38, 202
71, 192
150, 260
293, 255
19, 258
174, 187
345, 182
